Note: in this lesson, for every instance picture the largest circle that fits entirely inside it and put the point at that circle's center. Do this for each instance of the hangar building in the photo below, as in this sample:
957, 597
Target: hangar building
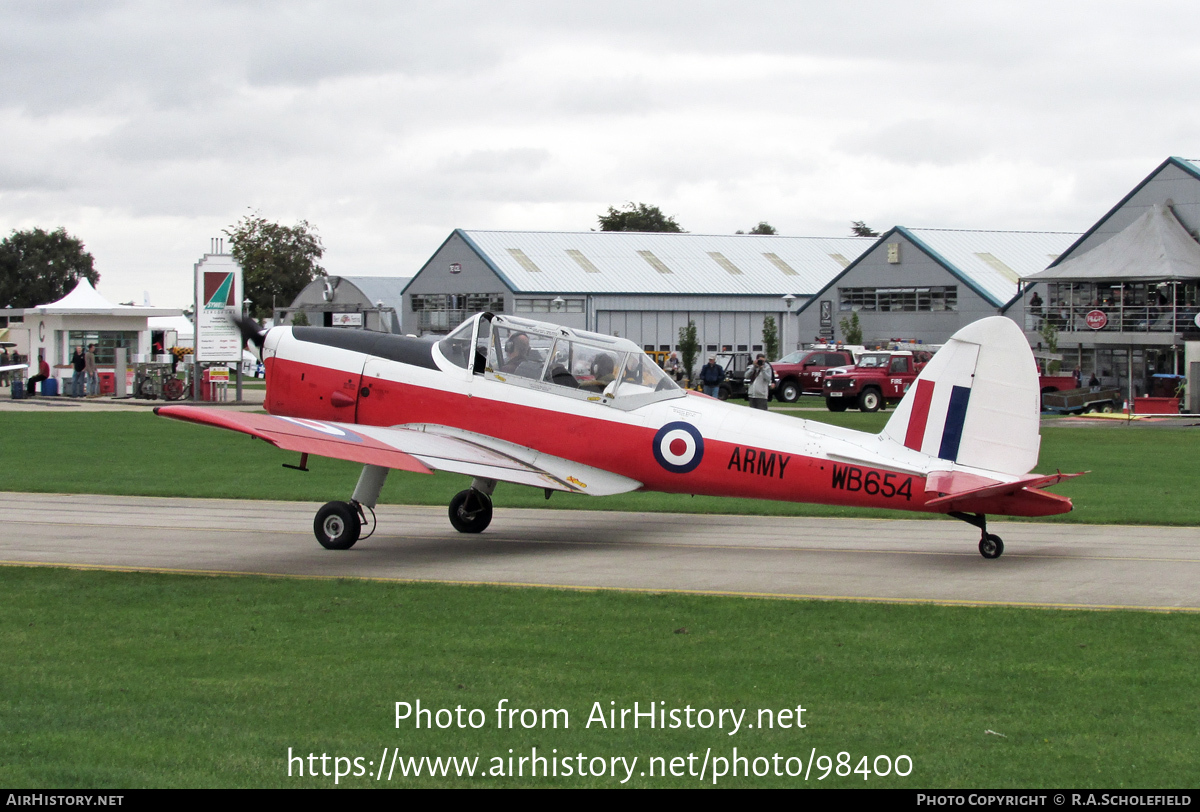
923, 284
359, 302
641, 286
1125, 296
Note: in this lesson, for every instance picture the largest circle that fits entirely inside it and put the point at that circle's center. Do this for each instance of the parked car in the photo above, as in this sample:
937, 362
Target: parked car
800, 373
879, 378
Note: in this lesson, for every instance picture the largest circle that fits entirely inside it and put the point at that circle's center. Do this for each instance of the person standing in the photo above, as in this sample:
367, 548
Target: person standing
79, 364
711, 376
93, 378
674, 369
761, 376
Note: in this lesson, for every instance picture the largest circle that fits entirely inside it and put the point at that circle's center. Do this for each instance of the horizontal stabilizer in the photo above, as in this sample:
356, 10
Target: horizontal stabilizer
961, 491
955, 484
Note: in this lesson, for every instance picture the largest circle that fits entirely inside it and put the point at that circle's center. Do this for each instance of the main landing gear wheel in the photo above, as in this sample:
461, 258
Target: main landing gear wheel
471, 511
990, 546
337, 525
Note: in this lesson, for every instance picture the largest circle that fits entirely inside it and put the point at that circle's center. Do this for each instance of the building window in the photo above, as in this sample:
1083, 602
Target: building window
894, 300
106, 341
547, 306
1131, 307
442, 312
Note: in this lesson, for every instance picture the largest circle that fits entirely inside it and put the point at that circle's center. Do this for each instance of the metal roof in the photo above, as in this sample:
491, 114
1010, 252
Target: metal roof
660, 263
992, 262
1155, 246
386, 289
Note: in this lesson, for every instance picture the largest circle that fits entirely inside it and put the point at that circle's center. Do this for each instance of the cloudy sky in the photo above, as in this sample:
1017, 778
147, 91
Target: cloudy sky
145, 128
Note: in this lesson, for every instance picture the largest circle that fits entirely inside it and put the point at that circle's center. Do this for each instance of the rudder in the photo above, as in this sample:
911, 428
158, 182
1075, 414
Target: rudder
976, 403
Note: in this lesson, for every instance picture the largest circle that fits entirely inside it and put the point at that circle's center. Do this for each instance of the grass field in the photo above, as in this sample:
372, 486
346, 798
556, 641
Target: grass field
1140, 474
128, 680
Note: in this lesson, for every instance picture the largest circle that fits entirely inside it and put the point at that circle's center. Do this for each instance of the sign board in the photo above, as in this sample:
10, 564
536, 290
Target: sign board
347, 319
1096, 319
455, 267
218, 301
827, 313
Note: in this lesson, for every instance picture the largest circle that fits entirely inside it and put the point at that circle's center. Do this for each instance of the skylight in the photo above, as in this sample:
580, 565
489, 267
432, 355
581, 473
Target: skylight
524, 260
781, 265
1005, 271
724, 262
582, 261
655, 263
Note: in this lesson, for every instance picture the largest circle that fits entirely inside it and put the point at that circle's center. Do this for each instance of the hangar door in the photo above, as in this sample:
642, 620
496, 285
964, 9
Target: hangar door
660, 329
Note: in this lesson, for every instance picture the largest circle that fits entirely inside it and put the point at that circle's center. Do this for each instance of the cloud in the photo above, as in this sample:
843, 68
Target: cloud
146, 128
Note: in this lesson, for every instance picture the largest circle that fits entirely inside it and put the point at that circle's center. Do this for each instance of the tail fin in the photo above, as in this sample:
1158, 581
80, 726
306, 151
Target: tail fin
977, 402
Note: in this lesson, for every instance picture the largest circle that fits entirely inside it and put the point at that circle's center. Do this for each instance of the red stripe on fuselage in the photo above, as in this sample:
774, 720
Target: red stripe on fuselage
612, 445
919, 415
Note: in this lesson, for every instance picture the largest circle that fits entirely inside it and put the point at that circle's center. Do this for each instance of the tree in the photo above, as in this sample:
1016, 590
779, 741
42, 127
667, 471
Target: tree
277, 261
39, 267
770, 338
1049, 334
689, 348
638, 217
851, 329
763, 227
860, 229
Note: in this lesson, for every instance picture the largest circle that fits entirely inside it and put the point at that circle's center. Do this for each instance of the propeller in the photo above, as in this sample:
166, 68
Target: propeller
251, 331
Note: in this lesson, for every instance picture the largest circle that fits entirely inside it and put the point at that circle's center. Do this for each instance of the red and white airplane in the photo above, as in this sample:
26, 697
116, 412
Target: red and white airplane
504, 399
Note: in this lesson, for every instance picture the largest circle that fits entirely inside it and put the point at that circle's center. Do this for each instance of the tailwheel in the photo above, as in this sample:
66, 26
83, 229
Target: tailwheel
471, 511
337, 525
990, 546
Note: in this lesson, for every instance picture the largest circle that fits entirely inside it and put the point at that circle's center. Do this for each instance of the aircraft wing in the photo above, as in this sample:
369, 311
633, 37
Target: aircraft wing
420, 448
14, 367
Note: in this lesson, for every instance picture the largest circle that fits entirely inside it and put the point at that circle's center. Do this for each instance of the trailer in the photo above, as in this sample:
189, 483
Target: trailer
1078, 401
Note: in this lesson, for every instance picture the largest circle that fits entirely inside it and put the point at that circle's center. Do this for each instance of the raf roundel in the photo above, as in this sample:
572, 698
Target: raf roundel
678, 447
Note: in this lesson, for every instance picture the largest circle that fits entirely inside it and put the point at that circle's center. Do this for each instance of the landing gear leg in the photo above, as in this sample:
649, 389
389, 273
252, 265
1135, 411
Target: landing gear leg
471, 510
338, 525
990, 545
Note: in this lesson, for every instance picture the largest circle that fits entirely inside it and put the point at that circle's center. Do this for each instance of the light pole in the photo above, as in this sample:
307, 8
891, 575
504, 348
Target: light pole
788, 299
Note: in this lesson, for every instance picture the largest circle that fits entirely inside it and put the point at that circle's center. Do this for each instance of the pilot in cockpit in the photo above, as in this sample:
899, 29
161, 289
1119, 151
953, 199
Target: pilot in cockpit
603, 370
516, 350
